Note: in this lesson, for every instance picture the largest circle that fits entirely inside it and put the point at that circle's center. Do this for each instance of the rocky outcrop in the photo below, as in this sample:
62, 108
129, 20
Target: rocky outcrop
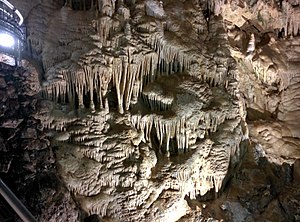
27, 160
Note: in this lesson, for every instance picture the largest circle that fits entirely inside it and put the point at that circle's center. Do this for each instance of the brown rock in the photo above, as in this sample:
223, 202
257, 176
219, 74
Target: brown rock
12, 123
11, 91
13, 104
290, 202
5, 162
296, 173
273, 212
2, 145
36, 145
3, 96
2, 83
29, 133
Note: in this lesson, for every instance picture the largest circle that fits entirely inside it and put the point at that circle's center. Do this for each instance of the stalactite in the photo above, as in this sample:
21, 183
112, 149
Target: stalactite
104, 27
200, 174
129, 71
169, 55
84, 81
179, 129
128, 77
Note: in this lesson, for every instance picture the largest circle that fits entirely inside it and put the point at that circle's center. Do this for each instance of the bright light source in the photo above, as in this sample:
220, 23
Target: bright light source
6, 40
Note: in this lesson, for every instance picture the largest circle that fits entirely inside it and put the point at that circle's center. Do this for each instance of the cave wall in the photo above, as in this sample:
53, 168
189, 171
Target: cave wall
159, 111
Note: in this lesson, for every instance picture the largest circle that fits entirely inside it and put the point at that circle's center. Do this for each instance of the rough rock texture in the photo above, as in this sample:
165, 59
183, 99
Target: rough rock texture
160, 111
27, 160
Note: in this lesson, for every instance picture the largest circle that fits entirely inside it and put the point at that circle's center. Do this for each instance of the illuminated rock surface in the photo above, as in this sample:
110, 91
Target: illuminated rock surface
156, 111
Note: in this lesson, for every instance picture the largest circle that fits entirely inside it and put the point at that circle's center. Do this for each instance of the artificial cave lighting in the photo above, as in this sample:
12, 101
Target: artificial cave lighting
6, 40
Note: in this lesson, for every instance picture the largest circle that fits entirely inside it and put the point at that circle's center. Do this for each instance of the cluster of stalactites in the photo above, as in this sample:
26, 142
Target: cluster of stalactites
156, 101
128, 71
131, 71
184, 131
216, 75
200, 173
285, 17
74, 86
172, 57
208, 167
199, 183
179, 129
292, 23
128, 76
104, 26
103, 6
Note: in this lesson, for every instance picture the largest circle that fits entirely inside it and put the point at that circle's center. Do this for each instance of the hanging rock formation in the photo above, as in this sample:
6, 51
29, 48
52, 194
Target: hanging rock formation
163, 111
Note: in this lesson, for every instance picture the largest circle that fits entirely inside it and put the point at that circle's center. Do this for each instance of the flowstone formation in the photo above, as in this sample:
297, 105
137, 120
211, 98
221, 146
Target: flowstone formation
150, 119
164, 111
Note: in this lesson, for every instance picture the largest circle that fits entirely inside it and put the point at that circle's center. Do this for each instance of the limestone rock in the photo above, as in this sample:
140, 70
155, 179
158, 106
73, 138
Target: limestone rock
156, 110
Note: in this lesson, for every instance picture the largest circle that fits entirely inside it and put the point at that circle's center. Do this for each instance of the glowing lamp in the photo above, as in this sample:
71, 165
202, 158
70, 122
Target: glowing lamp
6, 40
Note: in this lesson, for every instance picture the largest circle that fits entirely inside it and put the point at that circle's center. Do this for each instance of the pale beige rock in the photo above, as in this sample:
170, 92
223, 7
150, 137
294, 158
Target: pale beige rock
154, 102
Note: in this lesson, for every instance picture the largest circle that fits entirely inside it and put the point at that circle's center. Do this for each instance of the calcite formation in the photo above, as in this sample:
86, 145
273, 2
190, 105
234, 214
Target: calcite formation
154, 106
166, 110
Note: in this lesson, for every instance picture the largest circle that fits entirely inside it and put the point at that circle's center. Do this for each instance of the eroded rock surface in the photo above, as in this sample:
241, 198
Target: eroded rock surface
27, 160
